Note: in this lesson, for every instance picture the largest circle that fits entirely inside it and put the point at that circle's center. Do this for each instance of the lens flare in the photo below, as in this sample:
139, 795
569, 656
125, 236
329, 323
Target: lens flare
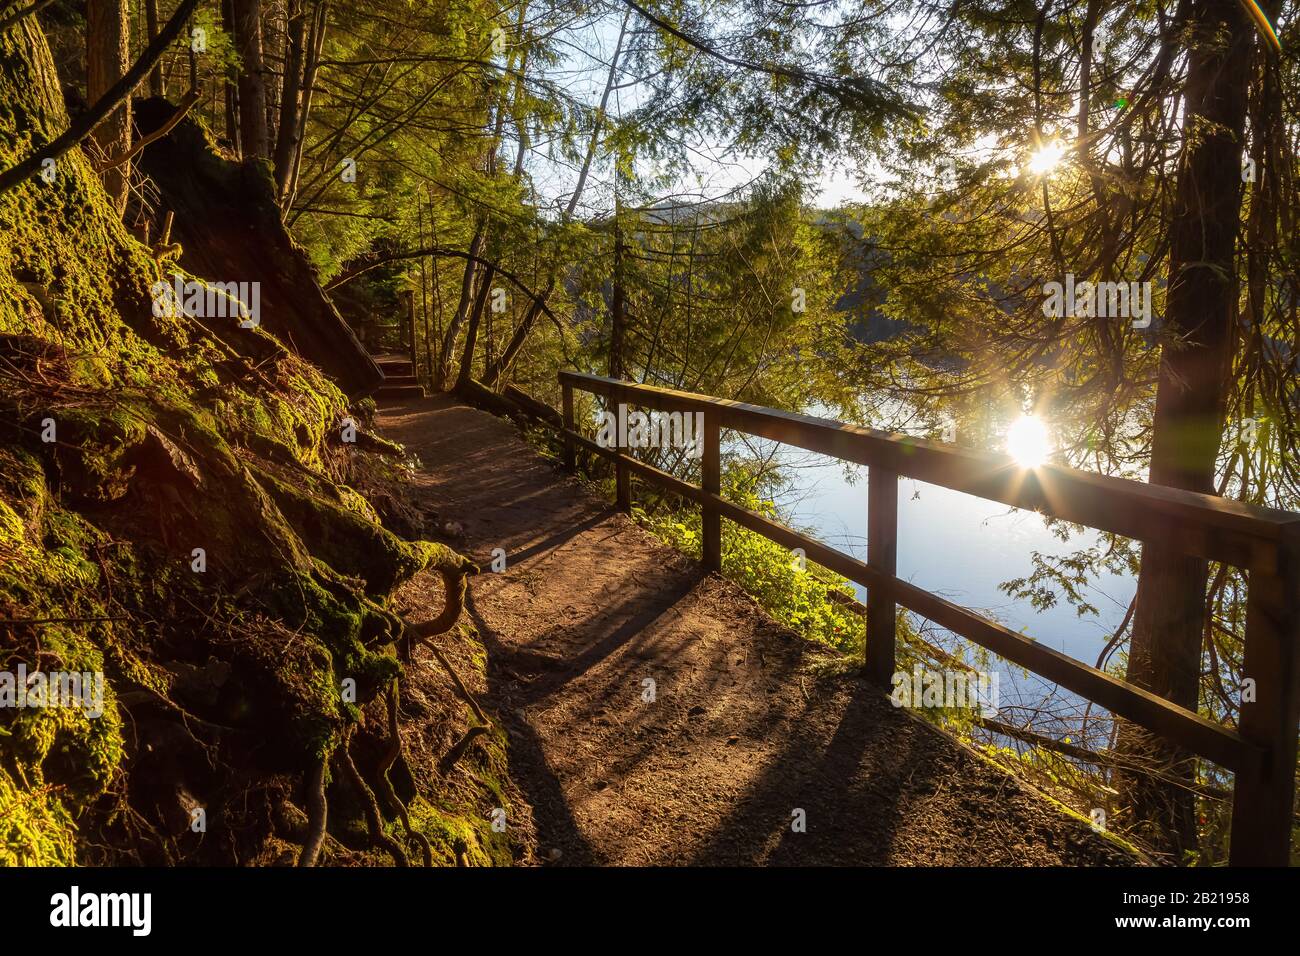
1047, 158
1028, 441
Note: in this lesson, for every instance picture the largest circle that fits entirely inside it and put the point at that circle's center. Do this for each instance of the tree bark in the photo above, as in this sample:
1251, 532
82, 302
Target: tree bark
468, 284
85, 123
229, 90
315, 43
617, 305
156, 85
488, 273
252, 83
287, 138
1199, 335
107, 52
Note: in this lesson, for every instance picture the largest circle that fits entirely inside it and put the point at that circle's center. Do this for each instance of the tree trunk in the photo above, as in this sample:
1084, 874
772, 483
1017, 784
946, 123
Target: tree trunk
468, 285
617, 319
516, 343
315, 43
229, 89
252, 84
475, 320
156, 85
107, 52
1165, 654
287, 139
488, 272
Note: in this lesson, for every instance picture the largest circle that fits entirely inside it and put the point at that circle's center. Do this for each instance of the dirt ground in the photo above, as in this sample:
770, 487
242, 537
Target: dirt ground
737, 737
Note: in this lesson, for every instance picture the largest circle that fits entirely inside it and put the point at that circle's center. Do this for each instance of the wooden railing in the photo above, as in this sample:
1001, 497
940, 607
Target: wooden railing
1264, 542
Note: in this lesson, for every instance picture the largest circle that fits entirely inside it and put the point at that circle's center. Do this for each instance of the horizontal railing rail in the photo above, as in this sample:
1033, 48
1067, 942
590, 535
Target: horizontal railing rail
1264, 542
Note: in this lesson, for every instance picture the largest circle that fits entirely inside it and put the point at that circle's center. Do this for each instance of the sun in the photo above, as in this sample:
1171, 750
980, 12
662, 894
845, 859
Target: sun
1028, 441
1047, 158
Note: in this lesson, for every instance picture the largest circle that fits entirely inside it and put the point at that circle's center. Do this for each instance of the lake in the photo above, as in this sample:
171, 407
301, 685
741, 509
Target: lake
961, 548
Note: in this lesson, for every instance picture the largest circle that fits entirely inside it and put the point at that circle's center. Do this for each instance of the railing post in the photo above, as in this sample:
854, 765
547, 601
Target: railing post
1263, 801
622, 476
570, 458
882, 556
711, 481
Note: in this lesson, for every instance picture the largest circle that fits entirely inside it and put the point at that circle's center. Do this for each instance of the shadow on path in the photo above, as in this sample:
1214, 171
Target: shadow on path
658, 716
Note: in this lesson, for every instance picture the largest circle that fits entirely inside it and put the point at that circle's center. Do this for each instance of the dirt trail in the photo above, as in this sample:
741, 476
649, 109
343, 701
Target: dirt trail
739, 736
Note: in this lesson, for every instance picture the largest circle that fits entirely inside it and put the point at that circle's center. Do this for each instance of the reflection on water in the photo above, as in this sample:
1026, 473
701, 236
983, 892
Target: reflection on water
961, 548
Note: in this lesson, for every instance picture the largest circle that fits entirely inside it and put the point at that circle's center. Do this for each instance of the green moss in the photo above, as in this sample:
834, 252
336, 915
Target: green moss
451, 834
12, 528
349, 540
36, 829
172, 435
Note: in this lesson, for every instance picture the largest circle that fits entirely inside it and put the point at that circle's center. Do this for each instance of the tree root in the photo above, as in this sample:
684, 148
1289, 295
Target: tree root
461, 689
373, 818
385, 786
455, 585
458, 749
317, 814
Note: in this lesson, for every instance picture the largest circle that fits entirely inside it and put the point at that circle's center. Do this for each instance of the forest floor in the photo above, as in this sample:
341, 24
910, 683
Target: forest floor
741, 731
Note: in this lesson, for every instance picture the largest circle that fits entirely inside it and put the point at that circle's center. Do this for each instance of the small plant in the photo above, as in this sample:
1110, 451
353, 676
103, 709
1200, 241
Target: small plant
793, 591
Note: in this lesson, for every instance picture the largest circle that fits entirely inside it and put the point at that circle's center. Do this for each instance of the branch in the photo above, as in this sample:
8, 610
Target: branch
442, 253
866, 92
187, 103
13, 18
82, 126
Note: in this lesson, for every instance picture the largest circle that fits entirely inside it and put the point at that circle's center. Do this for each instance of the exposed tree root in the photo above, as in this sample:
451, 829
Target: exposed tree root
374, 820
385, 786
455, 585
317, 814
458, 749
417, 634
460, 686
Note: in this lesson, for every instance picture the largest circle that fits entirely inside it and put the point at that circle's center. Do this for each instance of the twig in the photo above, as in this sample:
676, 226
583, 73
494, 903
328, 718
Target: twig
456, 752
59, 620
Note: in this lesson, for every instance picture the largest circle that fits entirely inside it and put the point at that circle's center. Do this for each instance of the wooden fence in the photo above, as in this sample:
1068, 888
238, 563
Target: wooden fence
1264, 542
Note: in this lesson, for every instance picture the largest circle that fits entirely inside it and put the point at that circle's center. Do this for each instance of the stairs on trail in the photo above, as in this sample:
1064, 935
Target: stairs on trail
399, 378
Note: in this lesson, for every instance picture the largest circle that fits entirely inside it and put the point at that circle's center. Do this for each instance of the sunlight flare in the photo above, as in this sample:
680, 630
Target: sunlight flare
1046, 158
1028, 441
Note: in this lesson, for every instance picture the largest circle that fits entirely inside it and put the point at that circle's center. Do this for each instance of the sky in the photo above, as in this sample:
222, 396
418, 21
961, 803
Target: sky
716, 170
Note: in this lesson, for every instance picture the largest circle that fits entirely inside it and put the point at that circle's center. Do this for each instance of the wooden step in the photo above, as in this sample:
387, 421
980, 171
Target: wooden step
400, 380
392, 367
